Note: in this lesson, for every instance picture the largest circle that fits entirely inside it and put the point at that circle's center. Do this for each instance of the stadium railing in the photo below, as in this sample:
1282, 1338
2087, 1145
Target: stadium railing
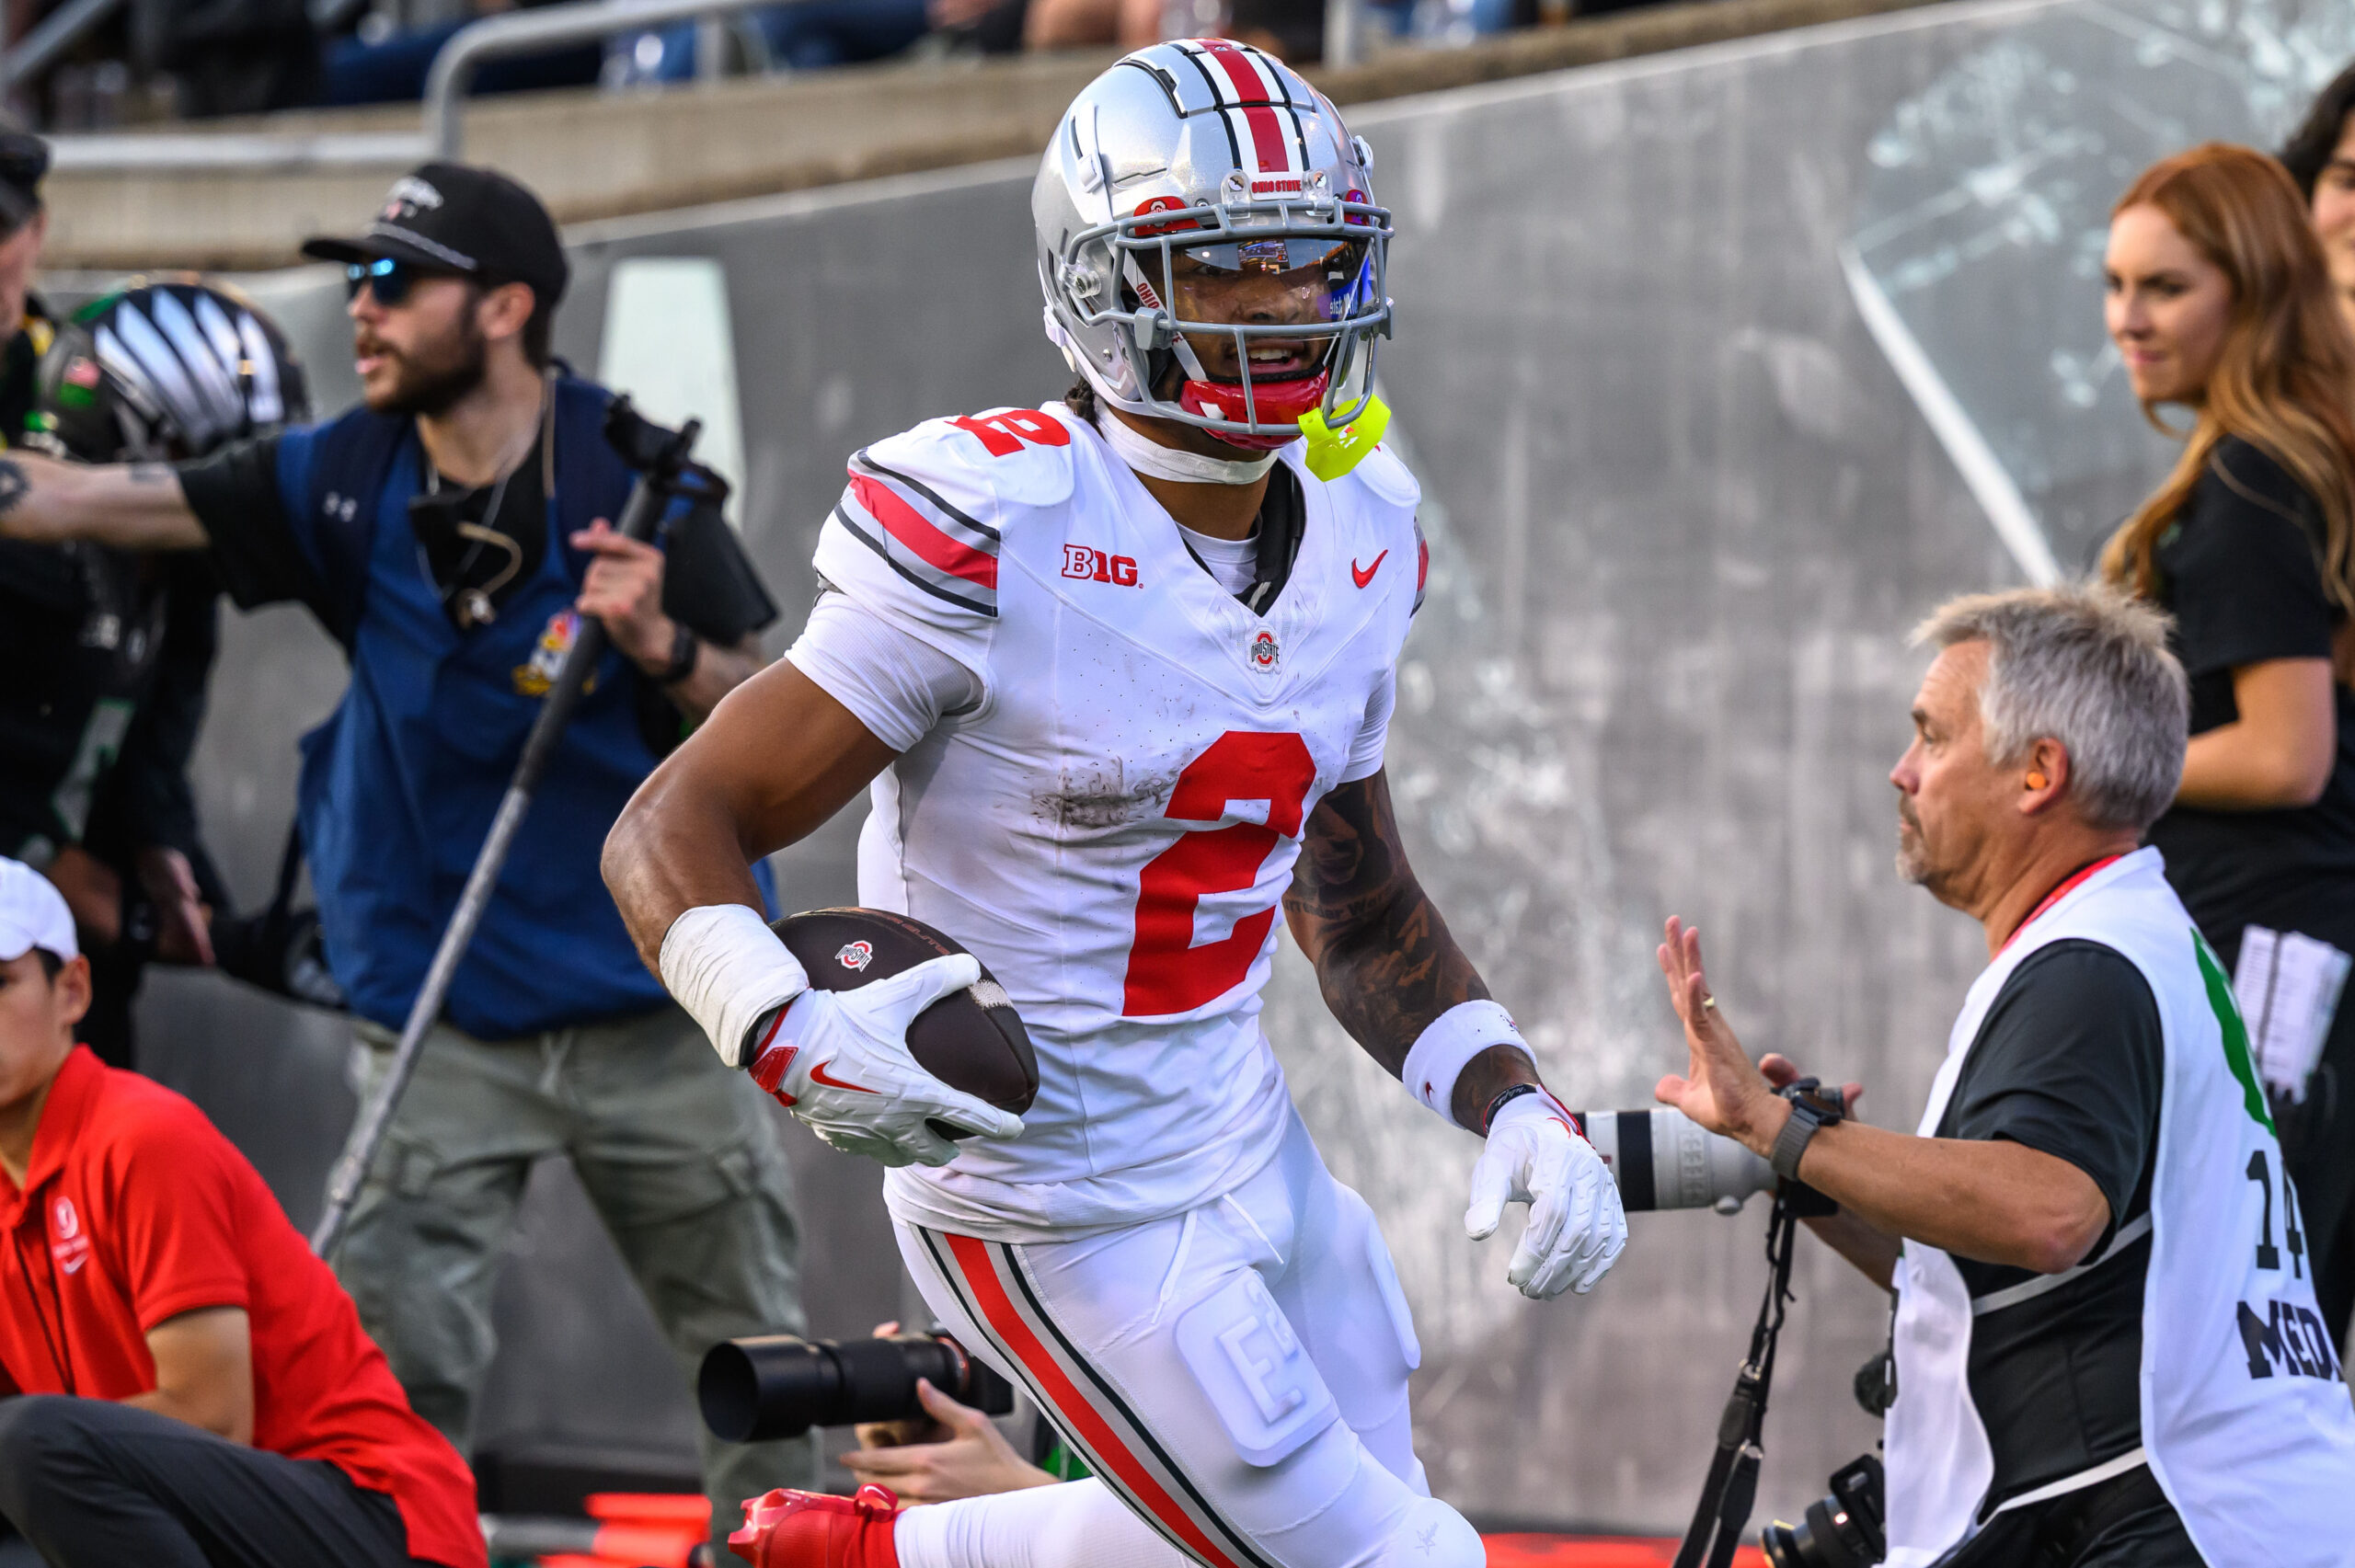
443, 131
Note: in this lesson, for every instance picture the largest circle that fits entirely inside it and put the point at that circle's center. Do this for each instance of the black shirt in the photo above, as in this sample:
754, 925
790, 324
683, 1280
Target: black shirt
108, 653
2069, 1061
2240, 570
708, 585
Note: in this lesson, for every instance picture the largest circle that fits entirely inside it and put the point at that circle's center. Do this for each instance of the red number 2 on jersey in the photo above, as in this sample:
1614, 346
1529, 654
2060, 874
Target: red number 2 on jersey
1002, 435
1167, 972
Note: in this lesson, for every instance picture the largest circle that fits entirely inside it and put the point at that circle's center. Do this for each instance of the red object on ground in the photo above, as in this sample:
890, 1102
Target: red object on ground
644, 1529
811, 1530
678, 1510
1591, 1551
136, 1209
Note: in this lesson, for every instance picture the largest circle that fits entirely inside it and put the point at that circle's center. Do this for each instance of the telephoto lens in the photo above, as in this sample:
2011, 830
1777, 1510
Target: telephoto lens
1662, 1158
780, 1386
1843, 1530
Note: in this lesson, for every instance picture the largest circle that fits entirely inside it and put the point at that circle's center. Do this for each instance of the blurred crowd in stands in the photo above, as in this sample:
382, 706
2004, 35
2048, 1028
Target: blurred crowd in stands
200, 59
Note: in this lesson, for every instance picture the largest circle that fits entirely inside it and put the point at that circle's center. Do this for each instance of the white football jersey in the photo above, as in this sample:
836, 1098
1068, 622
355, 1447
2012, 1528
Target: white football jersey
1112, 828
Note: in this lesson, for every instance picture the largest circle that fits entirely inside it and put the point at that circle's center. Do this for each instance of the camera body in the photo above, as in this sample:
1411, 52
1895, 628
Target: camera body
1843, 1530
780, 1385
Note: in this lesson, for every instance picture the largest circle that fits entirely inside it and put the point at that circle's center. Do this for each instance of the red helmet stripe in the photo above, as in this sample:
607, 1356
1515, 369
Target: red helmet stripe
1243, 72
1264, 132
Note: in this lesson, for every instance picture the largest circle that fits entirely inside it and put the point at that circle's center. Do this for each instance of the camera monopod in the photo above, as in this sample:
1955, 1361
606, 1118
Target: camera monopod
665, 473
1731, 1490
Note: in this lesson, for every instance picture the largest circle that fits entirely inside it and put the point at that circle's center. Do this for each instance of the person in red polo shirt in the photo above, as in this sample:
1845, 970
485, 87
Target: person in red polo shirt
181, 1382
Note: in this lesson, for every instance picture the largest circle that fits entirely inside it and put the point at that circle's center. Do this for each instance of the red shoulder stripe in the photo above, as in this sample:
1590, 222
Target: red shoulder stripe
913, 529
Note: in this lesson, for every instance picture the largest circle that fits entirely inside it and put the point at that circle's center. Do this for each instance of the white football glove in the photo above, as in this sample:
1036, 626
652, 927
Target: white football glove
1576, 1227
839, 1060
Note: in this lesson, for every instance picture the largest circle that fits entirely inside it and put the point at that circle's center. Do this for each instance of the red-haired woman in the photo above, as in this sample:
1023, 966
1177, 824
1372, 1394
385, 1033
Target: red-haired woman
2221, 304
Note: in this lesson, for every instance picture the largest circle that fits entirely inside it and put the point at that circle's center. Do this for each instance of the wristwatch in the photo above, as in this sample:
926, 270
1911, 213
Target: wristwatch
1811, 1113
684, 647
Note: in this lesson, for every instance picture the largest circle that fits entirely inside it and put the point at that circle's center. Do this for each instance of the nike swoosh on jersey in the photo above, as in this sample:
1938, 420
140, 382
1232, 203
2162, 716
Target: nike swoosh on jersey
818, 1075
1364, 575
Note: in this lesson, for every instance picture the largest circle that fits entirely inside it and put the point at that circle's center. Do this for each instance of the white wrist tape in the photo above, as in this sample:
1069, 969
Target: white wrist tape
727, 969
1452, 1038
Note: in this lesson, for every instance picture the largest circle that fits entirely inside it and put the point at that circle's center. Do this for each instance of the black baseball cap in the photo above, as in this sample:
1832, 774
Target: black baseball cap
24, 159
458, 218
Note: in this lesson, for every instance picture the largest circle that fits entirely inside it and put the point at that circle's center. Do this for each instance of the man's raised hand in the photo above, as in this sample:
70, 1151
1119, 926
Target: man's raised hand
1720, 1088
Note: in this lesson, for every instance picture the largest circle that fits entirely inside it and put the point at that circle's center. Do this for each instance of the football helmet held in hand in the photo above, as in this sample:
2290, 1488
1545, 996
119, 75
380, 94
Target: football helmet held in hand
167, 370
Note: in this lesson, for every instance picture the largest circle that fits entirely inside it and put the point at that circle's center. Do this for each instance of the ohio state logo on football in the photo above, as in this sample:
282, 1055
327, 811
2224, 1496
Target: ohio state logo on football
855, 955
1264, 652
1095, 566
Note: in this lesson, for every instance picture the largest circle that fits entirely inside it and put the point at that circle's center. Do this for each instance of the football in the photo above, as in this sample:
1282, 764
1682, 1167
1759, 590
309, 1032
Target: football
972, 1039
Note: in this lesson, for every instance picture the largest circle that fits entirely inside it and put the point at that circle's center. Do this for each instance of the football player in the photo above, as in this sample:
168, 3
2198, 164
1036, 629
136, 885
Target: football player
1118, 672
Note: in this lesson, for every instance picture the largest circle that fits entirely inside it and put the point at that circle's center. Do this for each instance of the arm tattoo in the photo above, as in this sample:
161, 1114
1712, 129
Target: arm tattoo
153, 473
1384, 959
12, 485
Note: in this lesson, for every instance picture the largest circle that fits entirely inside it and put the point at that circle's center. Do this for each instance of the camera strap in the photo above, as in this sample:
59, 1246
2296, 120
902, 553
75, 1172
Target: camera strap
1731, 1489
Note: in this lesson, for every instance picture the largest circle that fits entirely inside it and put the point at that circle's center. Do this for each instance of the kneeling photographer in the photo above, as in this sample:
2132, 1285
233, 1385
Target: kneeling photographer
2105, 1345
922, 1408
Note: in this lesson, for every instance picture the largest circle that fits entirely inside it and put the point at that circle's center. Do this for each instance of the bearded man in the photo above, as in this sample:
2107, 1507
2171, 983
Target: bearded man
450, 533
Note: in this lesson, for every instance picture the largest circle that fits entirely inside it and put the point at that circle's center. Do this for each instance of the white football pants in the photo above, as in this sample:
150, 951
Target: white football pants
1235, 1375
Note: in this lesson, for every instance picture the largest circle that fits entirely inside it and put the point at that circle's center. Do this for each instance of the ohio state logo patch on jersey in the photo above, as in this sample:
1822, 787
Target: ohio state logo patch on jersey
855, 955
70, 1246
1264, 653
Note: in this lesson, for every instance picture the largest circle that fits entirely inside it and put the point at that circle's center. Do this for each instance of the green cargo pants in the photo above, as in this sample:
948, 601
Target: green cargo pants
680, 1156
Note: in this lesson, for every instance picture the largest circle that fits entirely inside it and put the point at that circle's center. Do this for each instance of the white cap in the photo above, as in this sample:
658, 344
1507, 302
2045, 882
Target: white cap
32, 914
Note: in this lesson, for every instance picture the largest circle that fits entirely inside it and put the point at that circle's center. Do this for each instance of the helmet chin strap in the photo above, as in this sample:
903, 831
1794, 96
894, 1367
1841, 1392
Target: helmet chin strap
1148, 456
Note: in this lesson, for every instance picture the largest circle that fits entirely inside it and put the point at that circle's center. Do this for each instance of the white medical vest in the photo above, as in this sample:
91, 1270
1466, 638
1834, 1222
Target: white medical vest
2245, 1424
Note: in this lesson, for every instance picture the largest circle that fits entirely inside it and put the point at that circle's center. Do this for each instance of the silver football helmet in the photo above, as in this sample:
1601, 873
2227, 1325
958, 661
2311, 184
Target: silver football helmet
1204, 219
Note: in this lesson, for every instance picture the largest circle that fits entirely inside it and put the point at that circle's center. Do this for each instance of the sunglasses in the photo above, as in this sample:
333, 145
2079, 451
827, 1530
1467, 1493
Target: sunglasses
388, 279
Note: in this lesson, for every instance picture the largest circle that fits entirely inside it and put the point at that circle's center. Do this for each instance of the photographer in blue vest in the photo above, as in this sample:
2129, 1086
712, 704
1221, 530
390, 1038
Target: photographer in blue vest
2106, 1348
451, 533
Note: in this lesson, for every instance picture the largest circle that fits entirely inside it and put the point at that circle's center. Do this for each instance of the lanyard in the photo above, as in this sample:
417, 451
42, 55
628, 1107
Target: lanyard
2067, 886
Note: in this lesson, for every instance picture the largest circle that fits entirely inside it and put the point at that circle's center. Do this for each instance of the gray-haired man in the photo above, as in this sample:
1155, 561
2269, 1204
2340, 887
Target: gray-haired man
2106, 1346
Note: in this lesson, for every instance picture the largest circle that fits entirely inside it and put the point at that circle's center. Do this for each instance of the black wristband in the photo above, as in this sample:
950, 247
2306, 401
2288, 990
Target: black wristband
684, 646
1490, 1119
1811, 1113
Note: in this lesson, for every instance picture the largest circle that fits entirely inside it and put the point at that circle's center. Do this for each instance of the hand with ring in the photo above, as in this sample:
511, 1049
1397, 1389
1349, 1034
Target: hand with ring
1720, 1088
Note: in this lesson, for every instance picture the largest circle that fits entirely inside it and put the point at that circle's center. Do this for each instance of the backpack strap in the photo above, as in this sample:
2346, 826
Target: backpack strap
348, 471
592, 479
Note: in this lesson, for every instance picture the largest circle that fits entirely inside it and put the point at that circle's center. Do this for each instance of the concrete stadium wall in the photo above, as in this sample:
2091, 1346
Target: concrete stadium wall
1681, 511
